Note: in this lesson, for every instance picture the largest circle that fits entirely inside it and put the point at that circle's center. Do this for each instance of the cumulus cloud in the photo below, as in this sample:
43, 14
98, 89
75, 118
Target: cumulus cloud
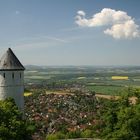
126, 30
121, 25
81, 13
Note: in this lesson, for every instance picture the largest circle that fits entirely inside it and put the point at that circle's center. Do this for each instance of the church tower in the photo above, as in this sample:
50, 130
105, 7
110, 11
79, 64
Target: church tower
12, 78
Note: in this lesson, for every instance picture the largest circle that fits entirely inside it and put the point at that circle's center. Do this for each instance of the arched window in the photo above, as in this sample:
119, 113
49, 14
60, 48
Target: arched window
4, 75
13, 75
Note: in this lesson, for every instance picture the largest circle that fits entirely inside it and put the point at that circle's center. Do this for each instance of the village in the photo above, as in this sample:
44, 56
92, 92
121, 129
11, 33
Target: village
61, 112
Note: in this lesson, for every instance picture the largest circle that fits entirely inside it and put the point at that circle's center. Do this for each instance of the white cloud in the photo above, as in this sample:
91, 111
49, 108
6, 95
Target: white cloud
126, 30
81, 13
121, 25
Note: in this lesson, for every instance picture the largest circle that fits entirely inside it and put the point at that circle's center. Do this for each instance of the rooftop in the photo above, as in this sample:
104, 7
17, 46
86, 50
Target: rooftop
10, 62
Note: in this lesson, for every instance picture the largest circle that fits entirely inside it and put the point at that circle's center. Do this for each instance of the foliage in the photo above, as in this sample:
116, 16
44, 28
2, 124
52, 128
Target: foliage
70, 135
12, 126
61, 135
121, 119
87, 133
56, 136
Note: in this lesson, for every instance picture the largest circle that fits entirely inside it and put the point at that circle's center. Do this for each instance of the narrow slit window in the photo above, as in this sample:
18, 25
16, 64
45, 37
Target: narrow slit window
20, 75
4, 75
13, 75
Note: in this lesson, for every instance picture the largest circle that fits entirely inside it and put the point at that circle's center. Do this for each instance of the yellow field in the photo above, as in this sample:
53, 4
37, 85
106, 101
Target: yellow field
28, 94
119, 77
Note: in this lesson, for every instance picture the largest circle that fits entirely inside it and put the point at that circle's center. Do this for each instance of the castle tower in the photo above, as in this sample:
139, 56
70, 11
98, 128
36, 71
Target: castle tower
12, 78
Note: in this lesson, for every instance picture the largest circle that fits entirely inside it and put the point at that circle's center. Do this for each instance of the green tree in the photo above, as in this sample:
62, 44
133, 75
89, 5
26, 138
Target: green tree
56, 136
121, 119
12, 126
87, 133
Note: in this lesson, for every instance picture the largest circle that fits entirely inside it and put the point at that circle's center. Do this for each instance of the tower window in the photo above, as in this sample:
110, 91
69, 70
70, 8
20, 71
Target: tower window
20, 75
4, 75
13, 75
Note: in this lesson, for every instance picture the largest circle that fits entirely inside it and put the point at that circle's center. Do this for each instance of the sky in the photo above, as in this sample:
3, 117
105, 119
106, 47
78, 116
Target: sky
71, 32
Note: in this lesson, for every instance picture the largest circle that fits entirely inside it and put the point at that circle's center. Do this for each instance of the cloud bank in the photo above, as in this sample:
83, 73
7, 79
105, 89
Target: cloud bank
119, 25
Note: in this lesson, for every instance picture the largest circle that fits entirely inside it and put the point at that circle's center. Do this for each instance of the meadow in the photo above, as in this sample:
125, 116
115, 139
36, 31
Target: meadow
107, 89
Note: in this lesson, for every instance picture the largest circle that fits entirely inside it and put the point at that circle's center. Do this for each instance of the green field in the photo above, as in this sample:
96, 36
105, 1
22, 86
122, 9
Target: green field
98, 79
106, 89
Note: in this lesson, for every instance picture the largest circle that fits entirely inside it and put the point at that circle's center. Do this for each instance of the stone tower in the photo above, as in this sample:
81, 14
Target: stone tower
12, 78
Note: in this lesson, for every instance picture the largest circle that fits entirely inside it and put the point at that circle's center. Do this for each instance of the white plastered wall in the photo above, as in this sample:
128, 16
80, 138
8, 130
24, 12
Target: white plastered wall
12, 85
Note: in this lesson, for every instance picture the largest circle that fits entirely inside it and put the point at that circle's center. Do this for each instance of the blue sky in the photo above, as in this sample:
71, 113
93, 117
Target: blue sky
45, 32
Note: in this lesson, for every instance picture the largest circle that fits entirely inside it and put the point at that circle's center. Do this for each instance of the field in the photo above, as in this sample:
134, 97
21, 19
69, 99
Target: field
27, 94
107, 89
119, 77
104, 80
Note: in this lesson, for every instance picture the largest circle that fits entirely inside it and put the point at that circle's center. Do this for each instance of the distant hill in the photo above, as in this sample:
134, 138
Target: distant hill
28, 67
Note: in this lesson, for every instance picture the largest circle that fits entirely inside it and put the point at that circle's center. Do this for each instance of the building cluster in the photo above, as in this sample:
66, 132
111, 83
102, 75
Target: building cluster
55, 112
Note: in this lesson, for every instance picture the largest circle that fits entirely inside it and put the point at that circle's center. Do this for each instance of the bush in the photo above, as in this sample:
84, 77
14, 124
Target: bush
12, 126
56, 136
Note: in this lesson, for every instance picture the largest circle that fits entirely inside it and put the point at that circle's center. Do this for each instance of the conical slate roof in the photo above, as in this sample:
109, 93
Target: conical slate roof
10, 62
